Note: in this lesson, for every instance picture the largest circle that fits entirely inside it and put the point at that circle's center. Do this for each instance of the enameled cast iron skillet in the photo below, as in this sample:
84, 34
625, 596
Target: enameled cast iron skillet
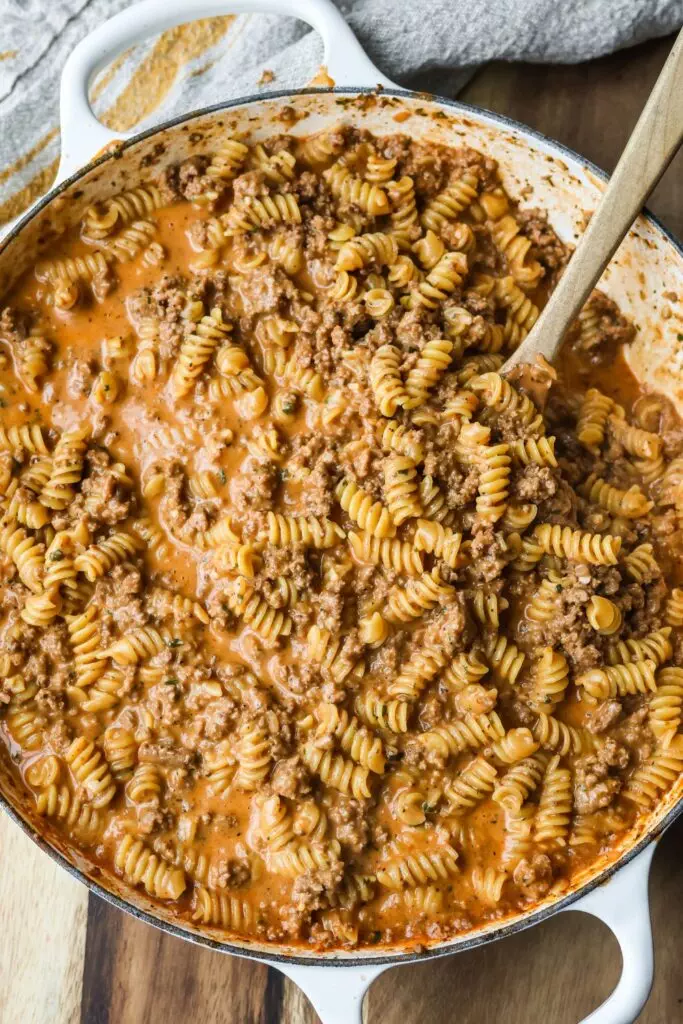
543, 174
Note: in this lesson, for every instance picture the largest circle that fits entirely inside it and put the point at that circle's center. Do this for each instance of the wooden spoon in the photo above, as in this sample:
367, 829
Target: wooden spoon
648, 152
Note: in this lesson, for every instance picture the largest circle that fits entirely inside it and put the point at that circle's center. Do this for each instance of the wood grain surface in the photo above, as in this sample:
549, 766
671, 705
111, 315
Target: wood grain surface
69, 958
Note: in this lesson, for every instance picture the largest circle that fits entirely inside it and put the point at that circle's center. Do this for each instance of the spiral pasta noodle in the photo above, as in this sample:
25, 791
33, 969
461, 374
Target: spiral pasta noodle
354, 739
227, 161
397, 437
560, 737
502, 398
366, 195
252, 213
433, 501
139, 866
654, 775
77, 815
25, 437
374, 249
337, 772
138, 645
507, 237
522, 313
417, 869
395, 555
590, 428
299, 858
631, 504
442, 279
673, 614
664, 708
391, 715
90, 771
604, 615
505, 658
494, 482
471, 786
448, 204
385, 380
469, 734
656, 647
424, 663
554, 806
640, 443
24, 720
535, 451
520, 781
201, 341
418, 597
249, 606
308, 530
404, 215
578, 545
26, 554
370, 515
550, 681
128, 243
619, 680
331, 653
401, 488
102, 219
101, 558
67, 469
438, 540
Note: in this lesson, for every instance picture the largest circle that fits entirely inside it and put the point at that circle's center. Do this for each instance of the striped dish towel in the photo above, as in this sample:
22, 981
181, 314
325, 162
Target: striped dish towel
426, 44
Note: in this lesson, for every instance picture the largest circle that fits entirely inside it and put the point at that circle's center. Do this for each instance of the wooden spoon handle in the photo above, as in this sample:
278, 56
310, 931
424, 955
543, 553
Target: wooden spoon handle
648, 152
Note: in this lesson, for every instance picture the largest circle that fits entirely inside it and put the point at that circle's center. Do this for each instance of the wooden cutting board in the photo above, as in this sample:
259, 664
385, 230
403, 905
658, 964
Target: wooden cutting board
69, 958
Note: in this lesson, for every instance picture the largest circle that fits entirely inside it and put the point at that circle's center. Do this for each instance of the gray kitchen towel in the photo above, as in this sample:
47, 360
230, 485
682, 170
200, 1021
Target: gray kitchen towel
415, 43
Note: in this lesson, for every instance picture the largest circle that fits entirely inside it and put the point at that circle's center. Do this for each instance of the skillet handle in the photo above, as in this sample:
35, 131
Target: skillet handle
83, 136
335, 992
623, 905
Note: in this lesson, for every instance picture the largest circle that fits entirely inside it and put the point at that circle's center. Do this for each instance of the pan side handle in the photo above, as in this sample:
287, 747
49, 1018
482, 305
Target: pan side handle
83, 136
623, 905
335, 992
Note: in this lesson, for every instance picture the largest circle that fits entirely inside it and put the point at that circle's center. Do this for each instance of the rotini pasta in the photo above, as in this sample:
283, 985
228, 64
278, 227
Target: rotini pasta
317, 626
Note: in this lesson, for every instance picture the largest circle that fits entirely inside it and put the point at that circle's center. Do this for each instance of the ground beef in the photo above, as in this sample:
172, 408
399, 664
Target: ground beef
534, 484
603, 716
119, 594
311, 891
253, 490
350, 823
594, 788
188, 180
290, 562
489, 552
218, 718
265, 289
600, 342
533, 876
546, 247
634, 732
106, 498
249, 185
568, 629
229, 873
169, 298
290, 778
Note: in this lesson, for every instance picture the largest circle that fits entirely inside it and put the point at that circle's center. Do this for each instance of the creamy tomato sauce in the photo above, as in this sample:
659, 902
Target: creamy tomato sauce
313, 626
